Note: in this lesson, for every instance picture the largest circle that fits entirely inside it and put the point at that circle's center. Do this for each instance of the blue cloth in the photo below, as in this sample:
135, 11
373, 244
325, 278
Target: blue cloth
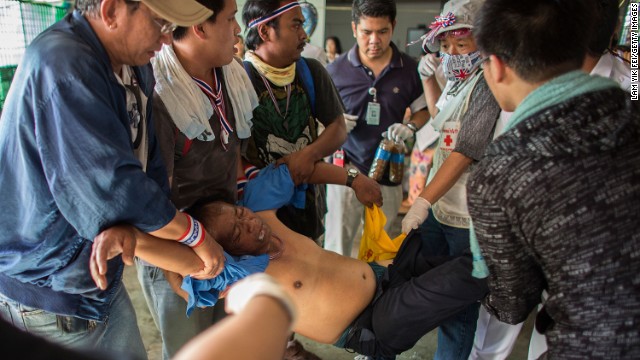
203, 293
273, 189
397, 87
69, 171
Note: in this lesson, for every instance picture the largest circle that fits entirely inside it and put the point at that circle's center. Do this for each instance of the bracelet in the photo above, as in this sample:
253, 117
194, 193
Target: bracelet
195, 234
412, 126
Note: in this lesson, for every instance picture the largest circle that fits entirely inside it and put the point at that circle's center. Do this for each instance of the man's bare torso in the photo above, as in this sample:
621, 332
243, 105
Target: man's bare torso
329, 290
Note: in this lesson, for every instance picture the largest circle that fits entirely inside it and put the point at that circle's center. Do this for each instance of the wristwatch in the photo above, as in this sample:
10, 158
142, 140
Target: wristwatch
412, 126
351, 175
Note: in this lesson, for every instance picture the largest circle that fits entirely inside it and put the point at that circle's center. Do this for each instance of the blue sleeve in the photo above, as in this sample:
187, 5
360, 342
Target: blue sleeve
87, 157
273, 189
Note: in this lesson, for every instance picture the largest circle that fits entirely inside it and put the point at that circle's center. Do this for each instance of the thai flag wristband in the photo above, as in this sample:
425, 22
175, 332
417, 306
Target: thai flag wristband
194, 236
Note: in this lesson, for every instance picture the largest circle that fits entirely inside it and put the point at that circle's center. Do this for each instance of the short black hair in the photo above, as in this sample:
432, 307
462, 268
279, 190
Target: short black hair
373, 8
604, 27
337, 42
539, 39
214, 5
252, 10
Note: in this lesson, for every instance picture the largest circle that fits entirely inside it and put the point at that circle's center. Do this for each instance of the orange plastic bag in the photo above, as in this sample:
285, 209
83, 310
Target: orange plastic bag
376, 243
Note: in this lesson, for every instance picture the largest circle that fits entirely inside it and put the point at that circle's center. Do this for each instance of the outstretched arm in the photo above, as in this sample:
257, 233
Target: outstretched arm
301, 162
259, 328
367, 190
128, 241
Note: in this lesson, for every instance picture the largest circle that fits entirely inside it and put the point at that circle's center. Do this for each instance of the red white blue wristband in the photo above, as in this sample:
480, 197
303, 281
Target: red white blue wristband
194, 236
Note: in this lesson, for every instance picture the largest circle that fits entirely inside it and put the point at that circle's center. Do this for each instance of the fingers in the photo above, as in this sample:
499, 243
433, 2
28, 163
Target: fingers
98, 278
408, 225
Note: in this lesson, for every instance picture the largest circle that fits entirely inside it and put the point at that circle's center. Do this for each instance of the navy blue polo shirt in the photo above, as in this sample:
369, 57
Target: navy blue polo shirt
397, 87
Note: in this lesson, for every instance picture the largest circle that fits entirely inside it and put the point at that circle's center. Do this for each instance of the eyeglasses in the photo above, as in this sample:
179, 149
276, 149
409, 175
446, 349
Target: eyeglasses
166, 27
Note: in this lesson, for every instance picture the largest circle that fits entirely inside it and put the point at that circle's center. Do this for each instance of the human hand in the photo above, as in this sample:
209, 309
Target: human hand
350, 121
175, 282
416, 215
245, 290
116, 240
399, 132
428, 65
367, 191
300, 166
212, 255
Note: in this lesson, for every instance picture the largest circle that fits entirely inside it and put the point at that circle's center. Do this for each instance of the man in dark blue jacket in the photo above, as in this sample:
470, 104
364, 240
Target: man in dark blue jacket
77, 136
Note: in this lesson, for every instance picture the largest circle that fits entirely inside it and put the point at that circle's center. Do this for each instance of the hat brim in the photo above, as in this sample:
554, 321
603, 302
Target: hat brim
434, 46
182, 12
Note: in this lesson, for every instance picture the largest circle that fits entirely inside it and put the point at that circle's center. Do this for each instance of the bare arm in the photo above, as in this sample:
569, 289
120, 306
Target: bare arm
420, 118
263, 315
432, 93
301, 162
128, 241
168, 255
446, 177
260, 332
209, 251
367, 190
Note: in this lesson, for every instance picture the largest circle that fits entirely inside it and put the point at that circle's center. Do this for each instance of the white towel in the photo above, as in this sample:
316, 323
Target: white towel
242, 95
189, 108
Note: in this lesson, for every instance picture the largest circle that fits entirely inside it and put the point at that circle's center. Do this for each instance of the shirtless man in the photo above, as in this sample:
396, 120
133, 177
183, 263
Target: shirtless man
340, 300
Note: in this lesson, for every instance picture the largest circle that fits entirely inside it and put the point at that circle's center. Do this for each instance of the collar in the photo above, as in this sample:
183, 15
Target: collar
396, 58
83, 29
604, 66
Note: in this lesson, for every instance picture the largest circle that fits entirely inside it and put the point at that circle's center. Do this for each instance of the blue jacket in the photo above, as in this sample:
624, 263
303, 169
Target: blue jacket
68, 172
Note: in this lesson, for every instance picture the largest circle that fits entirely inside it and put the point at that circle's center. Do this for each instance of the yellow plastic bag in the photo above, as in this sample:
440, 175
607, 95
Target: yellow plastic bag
376, 243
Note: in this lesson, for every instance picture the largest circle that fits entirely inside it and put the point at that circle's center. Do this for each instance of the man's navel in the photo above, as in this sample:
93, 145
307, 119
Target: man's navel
297, 284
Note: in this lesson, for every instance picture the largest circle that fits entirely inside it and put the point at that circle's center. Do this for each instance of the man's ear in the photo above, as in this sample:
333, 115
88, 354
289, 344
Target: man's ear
198, 31
263, 32
353, 27
108, 13
497, 69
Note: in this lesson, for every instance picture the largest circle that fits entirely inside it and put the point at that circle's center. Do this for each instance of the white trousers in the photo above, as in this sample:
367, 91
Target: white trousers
344, 219
494, 338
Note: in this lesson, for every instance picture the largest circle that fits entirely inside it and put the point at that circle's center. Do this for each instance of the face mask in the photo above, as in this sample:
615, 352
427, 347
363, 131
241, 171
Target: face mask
460, 67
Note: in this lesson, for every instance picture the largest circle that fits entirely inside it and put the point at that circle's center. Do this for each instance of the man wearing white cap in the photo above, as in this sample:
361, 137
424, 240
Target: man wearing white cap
76, 132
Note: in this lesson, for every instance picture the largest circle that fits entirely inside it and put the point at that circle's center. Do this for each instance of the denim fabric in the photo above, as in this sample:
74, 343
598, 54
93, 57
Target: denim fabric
168, 311
118, 334
65, 140
456, 334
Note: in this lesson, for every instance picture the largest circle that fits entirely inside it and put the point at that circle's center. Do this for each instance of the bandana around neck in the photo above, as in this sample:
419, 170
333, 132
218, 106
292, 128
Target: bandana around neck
278, 77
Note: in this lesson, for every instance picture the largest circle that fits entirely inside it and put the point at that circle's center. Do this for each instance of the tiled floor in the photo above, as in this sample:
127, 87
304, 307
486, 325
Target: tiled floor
423, 350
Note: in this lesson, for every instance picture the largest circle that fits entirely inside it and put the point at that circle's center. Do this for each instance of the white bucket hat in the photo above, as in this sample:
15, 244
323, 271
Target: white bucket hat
456, 14
179, 12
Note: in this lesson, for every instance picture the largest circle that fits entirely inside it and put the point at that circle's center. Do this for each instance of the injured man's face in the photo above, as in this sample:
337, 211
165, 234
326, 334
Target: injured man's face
237, 229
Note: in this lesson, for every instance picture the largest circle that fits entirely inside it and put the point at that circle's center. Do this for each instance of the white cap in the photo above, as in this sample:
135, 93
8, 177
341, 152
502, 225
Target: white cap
180, 12
464, 12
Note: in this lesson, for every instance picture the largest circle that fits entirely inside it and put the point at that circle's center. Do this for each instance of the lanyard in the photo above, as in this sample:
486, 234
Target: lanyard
275, 102
217, 102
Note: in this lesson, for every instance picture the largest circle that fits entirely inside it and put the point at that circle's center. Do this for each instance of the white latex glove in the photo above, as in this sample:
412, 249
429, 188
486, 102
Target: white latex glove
350, 121
416, 215
428, 65
246, 289
399, 132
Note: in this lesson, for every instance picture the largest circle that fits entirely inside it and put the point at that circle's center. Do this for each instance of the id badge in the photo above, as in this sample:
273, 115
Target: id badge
373, 114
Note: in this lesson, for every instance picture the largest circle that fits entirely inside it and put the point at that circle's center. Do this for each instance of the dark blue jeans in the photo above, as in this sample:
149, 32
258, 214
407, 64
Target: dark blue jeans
456, 334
